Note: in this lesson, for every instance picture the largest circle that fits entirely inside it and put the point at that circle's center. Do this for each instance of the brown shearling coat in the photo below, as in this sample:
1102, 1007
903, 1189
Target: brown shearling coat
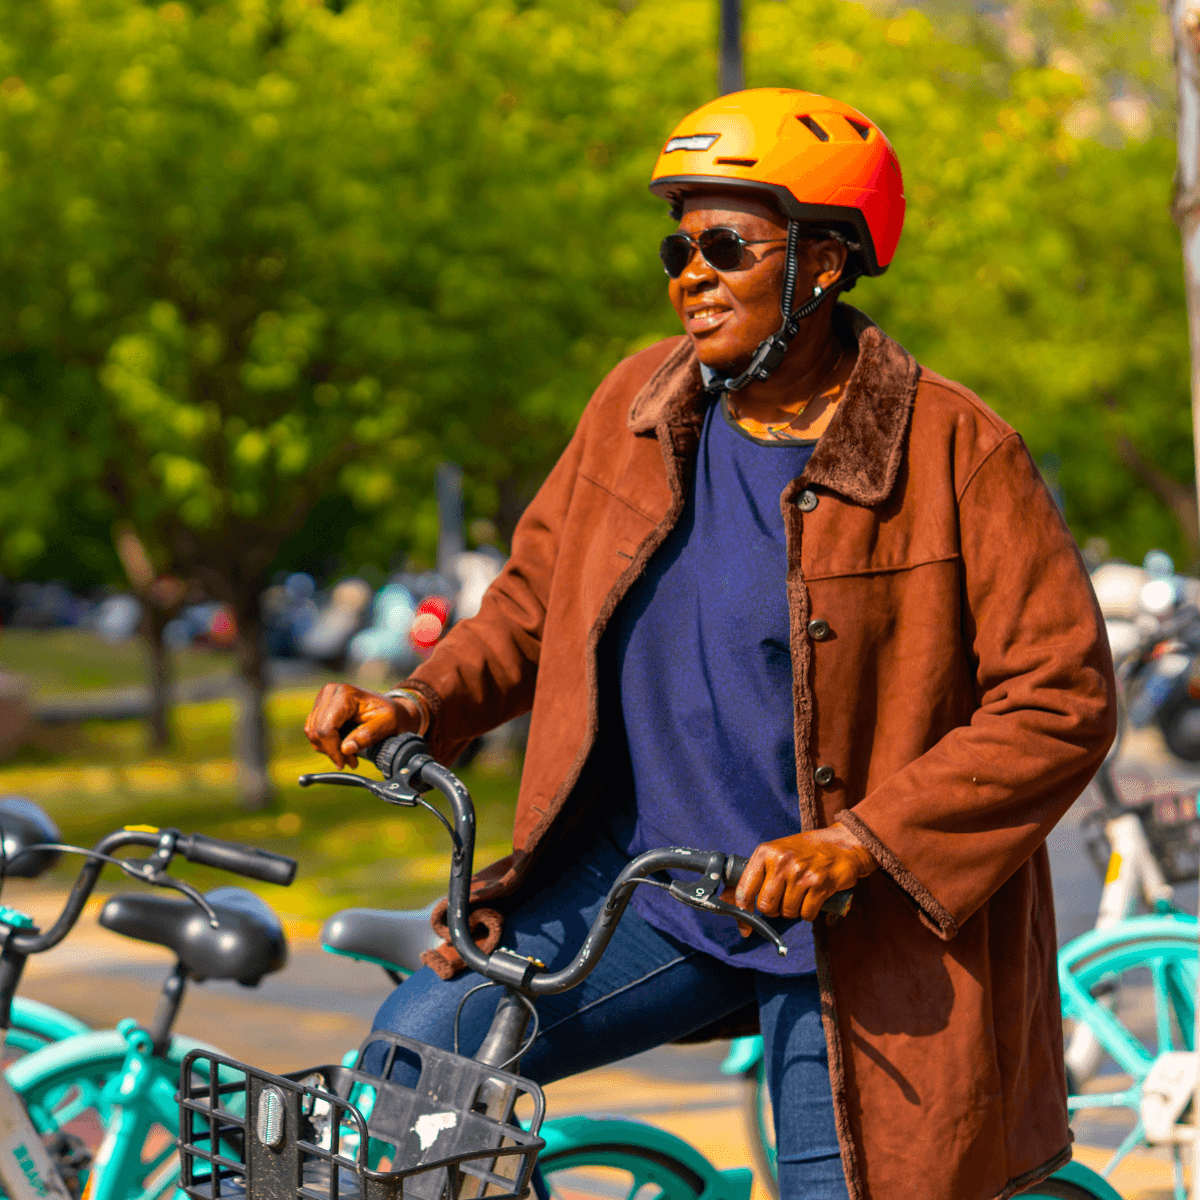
964, 698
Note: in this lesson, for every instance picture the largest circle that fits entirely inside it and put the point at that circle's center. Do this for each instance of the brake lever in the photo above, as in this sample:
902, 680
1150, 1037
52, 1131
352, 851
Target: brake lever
695, 896
393, 791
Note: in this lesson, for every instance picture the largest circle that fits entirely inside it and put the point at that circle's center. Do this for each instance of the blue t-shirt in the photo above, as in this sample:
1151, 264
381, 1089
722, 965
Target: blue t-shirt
704, 660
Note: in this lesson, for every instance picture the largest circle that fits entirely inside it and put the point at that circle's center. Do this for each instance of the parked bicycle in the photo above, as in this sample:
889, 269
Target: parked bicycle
117, 1087
469, 1126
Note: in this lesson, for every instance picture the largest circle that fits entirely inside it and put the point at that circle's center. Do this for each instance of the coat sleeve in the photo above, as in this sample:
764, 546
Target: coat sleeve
957, 822
483, 673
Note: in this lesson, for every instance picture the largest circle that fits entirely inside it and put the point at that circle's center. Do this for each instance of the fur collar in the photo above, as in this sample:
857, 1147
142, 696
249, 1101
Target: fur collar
858, 456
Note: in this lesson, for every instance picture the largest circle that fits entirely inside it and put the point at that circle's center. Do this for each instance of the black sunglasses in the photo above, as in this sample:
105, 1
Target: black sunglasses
723, 249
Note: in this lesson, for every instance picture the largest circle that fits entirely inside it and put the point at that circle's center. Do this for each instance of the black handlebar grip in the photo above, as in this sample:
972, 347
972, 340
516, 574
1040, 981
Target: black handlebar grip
239, 859
392, 754
735, 864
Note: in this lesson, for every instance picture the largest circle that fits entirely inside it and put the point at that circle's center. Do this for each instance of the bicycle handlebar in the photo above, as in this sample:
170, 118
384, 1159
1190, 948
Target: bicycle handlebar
195, 847
409, 769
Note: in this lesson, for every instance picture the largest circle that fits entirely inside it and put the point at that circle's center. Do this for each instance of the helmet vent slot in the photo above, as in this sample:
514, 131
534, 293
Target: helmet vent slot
863, 130
736, 162
814, 128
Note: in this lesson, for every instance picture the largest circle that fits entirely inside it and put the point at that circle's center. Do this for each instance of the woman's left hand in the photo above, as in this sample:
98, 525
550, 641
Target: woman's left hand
793, 876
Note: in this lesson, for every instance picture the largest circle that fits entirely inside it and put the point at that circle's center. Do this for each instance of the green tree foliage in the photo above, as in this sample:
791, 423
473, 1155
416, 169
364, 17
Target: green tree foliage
1039, 268
262, 259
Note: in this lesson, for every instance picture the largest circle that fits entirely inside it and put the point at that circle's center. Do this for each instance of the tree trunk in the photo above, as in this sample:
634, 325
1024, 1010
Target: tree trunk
252, 733
1185, 23
160, 675
160, 599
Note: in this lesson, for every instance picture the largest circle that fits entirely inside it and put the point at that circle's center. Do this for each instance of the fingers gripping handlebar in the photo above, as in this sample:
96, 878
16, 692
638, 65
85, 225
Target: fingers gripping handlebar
838, 905
409, 769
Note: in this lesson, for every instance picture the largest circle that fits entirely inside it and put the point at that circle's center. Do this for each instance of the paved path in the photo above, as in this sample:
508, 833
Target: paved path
320, 1006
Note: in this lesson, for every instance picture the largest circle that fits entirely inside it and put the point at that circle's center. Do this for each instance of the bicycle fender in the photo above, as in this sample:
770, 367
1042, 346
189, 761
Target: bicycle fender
44, 1020
1083, 1177
1172, 927
745, 1053
575, 1133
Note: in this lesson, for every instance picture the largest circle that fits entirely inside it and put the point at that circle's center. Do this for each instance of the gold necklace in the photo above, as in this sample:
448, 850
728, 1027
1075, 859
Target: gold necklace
777, 431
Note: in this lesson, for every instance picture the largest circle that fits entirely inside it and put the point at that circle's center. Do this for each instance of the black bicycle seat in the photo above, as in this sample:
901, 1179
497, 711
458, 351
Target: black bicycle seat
394, 940
24, 823
247, 944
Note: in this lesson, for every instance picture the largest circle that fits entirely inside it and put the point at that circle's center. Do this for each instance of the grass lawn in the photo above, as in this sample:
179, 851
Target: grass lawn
352, 849
55, 661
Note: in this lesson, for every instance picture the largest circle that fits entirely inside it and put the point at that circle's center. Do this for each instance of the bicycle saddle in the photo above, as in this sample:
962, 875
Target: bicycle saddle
23, 824
248, 944
380, 935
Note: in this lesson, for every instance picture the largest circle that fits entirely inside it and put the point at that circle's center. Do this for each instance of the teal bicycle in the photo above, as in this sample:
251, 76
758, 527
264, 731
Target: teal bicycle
469, 1127
100, 1107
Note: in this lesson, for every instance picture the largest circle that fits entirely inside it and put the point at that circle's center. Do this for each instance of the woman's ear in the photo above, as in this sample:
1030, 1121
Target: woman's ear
829, 261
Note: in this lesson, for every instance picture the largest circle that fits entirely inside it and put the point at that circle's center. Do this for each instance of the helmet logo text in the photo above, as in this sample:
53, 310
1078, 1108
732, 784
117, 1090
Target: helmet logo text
695, 141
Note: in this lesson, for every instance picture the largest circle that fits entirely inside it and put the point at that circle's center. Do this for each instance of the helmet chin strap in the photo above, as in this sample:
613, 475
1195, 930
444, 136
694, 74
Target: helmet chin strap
771, 351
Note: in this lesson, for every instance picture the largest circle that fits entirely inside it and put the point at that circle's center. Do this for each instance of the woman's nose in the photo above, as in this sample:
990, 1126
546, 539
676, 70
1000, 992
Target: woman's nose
697, 270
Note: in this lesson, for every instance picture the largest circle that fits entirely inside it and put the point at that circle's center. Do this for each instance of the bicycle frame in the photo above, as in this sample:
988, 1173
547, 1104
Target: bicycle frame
27, 1171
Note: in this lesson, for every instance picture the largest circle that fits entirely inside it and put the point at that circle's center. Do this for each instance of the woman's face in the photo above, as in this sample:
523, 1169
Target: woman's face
727, 313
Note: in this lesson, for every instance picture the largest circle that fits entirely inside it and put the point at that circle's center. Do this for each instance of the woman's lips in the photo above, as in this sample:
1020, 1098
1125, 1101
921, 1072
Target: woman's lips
706, 318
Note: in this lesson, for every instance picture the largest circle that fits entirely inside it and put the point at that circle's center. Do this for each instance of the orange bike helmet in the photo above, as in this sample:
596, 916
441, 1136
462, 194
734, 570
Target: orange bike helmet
822, 160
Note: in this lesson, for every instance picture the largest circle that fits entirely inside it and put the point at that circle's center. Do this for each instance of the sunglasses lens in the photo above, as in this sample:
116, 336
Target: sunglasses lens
722, 248
675, 251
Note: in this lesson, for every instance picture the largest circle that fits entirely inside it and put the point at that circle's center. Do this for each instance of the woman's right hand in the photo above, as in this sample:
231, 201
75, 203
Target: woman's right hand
373, 716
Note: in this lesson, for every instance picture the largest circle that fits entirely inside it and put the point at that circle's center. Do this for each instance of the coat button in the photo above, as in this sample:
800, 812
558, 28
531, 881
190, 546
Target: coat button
818, 630
806, 501
823, 775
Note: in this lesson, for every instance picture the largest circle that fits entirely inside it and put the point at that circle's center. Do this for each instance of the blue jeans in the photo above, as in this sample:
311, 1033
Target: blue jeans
647, 989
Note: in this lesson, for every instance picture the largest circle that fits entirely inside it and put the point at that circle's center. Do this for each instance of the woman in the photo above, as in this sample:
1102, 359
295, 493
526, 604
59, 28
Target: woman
788, 593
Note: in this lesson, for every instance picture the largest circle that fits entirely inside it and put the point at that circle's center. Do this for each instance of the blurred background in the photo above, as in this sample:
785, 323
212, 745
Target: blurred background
299, 302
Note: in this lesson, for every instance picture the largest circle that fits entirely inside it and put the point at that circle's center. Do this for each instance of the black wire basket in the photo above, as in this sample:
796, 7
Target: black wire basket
337, 1133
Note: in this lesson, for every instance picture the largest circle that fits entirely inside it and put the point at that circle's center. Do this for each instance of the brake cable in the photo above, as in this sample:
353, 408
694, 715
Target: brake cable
143, 870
